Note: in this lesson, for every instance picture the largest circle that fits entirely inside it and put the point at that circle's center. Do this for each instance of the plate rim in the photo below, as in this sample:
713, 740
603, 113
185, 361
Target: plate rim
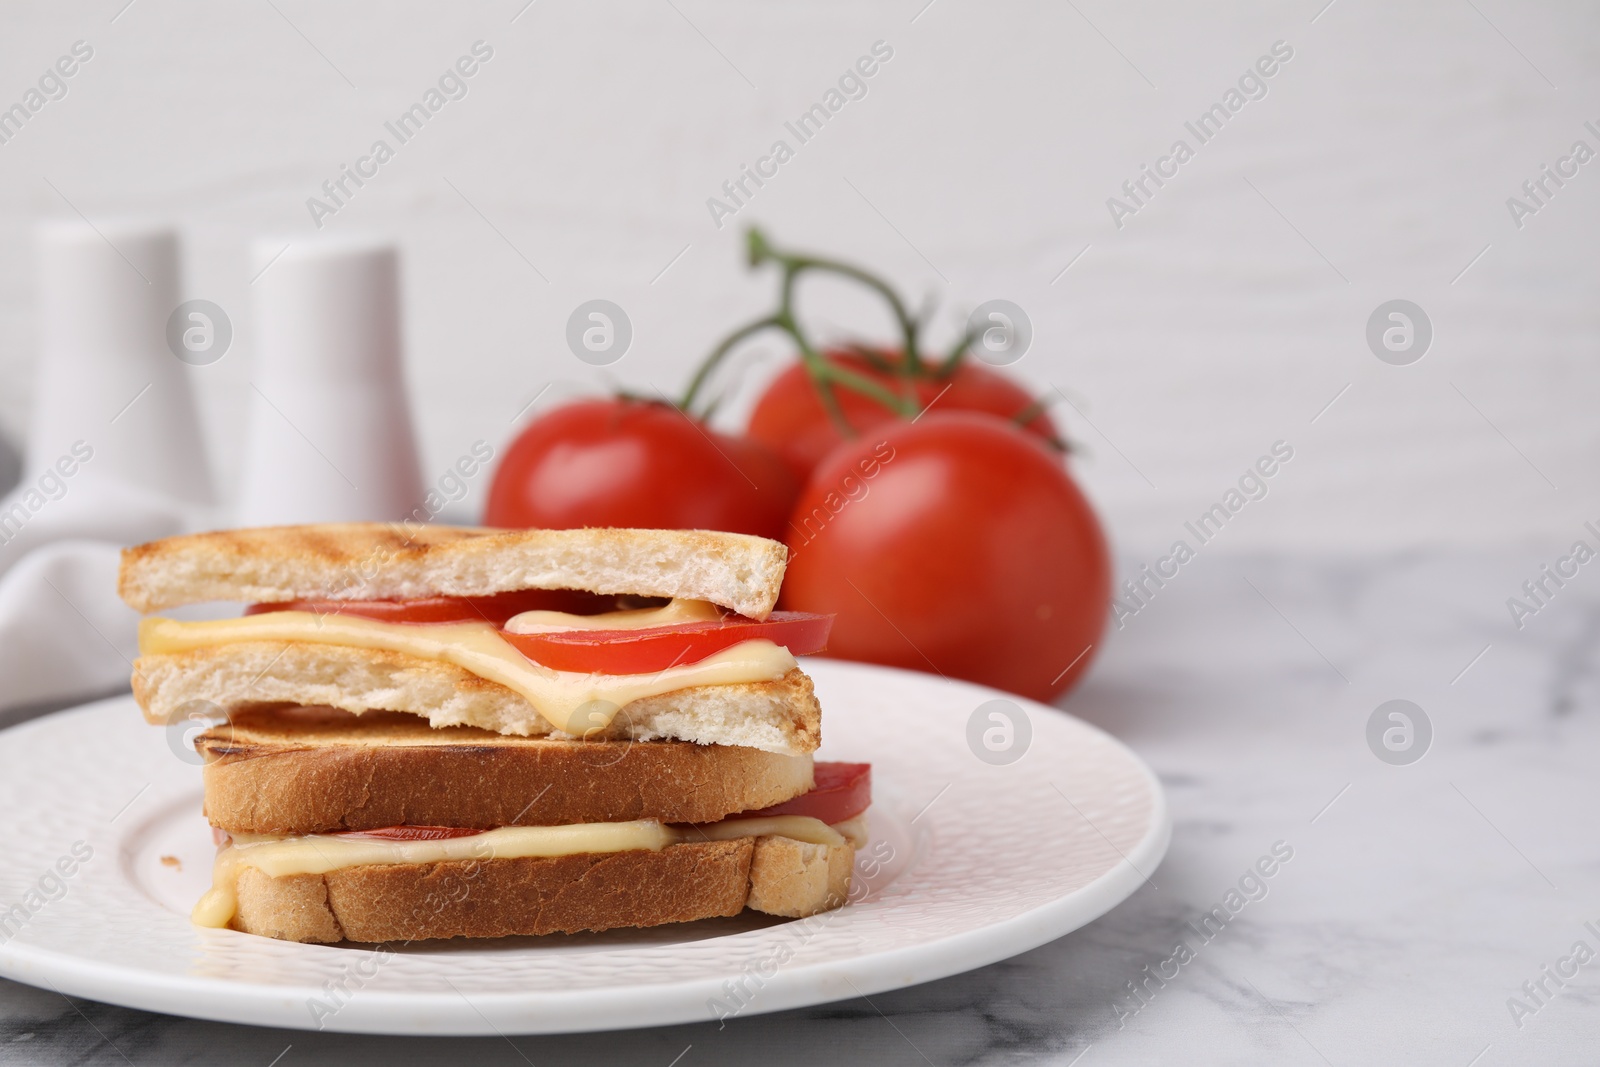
613, 1007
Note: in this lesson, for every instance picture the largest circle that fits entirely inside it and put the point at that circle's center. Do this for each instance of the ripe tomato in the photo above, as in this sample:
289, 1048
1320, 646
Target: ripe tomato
412, 833
842, 791
659, 647
958, 544
620, 462
438, 609
790, 419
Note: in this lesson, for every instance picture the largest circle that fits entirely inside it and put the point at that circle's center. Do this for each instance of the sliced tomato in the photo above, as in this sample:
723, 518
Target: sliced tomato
843, 791
660, 647
413, 833
436, 609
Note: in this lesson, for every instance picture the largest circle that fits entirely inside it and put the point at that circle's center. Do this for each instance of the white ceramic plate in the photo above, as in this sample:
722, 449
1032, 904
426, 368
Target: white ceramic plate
972, 860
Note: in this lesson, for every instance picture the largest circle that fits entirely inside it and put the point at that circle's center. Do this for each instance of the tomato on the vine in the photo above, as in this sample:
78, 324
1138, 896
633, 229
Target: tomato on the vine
957, 544
639, 463
790, 419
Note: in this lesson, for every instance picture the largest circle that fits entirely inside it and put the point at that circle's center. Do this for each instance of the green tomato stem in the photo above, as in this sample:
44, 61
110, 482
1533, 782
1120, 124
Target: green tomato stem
718, 354
1033, 411
958, 352
826, 375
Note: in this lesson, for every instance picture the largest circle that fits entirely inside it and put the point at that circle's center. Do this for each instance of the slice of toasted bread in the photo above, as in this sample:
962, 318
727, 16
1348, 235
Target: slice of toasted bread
781, 716
408, 561
545, 895
317, 770
797, 878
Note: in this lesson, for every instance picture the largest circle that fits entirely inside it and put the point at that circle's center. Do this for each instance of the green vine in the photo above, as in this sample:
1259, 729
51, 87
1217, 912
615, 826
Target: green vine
827, 375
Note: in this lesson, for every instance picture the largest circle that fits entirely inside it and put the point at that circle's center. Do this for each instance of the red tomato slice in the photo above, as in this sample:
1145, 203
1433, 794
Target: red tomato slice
660, 647
413, 833
843, 790
496, 609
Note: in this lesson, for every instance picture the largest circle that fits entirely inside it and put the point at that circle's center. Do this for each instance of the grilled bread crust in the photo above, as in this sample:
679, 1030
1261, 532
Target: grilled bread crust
297, 770
780, 716
546, 895
409, 561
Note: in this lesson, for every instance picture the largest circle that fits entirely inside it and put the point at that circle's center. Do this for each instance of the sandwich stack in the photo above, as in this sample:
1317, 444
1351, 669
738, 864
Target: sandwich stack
436, 732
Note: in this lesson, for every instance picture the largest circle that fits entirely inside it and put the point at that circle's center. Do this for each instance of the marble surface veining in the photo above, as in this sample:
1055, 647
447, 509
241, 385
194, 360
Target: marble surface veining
1416, 902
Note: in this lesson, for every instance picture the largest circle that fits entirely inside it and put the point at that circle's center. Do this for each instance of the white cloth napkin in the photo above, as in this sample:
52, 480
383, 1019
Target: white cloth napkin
65, 635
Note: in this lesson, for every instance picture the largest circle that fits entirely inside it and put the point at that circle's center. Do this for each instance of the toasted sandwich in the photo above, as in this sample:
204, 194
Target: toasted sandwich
440, 732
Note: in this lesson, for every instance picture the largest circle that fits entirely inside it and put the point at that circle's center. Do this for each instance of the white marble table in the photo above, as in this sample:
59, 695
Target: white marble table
1418, 898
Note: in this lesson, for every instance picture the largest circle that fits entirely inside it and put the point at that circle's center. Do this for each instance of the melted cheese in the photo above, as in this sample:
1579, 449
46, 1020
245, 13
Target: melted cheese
678, 611
855, 830
800, 827
572, 702
279, 857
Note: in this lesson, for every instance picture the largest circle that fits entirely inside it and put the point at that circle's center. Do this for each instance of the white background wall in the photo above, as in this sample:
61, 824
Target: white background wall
1219, 319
